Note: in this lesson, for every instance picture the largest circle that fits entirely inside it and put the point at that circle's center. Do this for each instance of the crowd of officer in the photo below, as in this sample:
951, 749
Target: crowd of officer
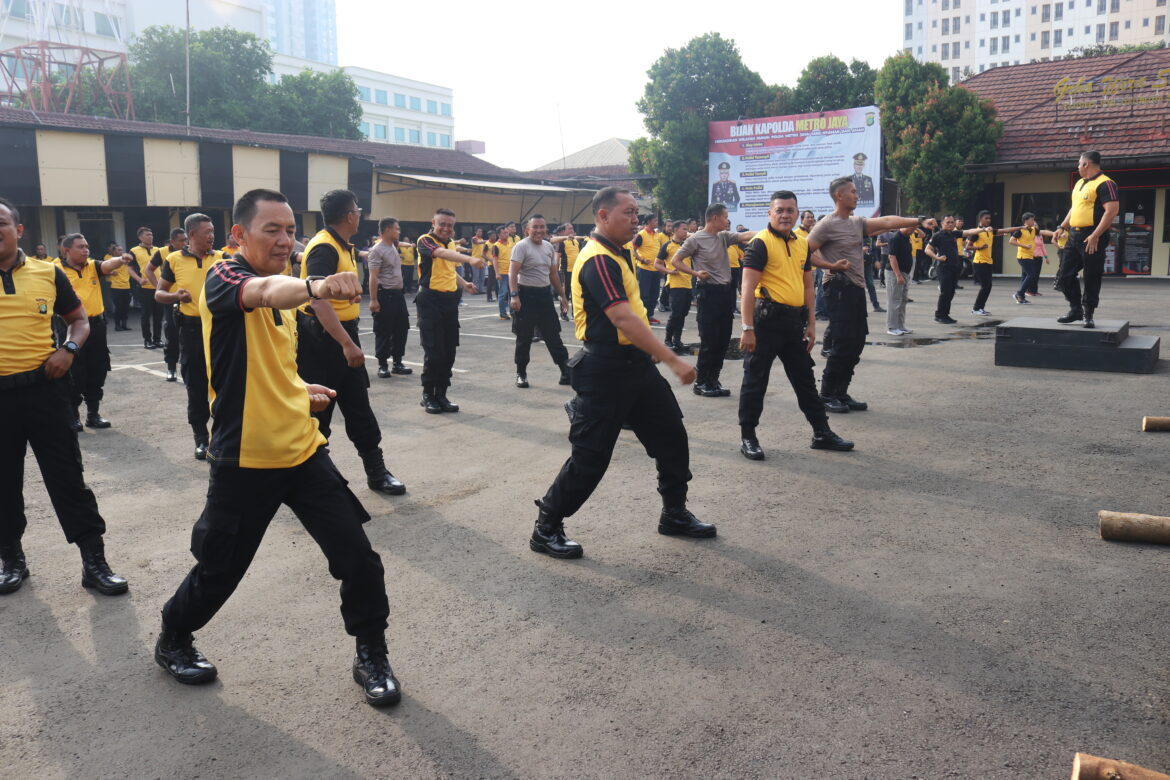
266, 330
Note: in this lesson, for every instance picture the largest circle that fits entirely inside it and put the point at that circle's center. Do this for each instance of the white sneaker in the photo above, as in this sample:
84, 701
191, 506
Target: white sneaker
981, 312
906, 331
896, 332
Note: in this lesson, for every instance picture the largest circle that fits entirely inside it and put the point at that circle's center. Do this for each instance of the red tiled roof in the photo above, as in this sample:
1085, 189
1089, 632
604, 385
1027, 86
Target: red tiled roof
416, 159
1037, 127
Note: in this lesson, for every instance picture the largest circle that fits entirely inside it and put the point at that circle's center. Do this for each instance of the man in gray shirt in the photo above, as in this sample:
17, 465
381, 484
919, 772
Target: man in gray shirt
839, 239
714, 294
387, 300
532, 270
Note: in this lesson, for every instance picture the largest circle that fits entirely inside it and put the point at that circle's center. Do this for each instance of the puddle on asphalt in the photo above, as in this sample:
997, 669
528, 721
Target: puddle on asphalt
981, 332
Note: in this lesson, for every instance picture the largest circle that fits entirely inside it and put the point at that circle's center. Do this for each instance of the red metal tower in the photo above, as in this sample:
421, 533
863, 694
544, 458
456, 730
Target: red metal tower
46, 76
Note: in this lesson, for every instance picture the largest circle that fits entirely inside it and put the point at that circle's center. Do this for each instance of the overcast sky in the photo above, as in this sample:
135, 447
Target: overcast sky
515, 66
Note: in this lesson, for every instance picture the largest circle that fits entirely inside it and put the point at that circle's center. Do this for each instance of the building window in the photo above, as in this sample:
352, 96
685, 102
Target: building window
1044, 39
415, 137
1003, 45
1058, 11
1114, 6
1017, 39
1088, 29
1046, 13
432, 108
1128, 22
934, 49
1033, 10
381, 97
1007, 17
909, 30
955, 50
946, 5
909, 7
445, 141
380, 132
982, 43
432, 139
445, 109
955, 75
109, 26
1100, 33
980, 68
946, 27
966, 44
1017, 12
1146, 22
1100, 6
1159, 25
983, 17
365, 128
364, 94
416, 104
955, 25
994, 46
1113, 31
955, 4
399, 135
1057, 38
920, 27
399, 100
1033, 36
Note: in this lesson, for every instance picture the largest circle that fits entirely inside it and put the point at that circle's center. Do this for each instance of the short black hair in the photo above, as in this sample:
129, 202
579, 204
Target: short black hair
385, 223
68, 240
982, 214
446, 213
335, 204
142, 230
1027, 215
176, 232
6, 203
1093, 157
838, 183
194, 220
246, 208
783, 195
714, 210
532, 217
606, 197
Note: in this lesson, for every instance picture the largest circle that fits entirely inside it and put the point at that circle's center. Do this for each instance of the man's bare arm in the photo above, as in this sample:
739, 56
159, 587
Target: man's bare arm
878, 225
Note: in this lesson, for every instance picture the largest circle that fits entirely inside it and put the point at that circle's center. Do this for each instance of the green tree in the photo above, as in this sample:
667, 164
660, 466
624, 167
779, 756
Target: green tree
228, 68
704, 81
312, 103
1105, 49
828, 84
901, 84
948, 129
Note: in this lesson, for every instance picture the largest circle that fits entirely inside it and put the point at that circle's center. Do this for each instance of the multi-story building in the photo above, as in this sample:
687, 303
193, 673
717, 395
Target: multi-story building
970, 36
302, 28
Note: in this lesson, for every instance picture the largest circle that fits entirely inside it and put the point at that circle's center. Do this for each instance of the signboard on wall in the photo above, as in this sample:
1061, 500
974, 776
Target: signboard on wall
749, 159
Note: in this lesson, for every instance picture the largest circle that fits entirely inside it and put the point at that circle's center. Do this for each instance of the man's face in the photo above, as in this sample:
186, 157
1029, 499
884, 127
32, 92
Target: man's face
202, 236
652, 224
948, 223
858, 166
985, 220
1030, 222
78, 252
267, 241
537, 230
809, 221
620, 221
39, 250
147, 238
847, 196
692, 225
1084, 167
10, 234
724, 175
391, 234
179, 241
443, 227
721, 221
680, 232
782, 215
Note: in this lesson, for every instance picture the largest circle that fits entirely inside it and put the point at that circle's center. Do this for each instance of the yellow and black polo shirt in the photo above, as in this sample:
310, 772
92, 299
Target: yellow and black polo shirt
435, 273
603, 277
801, 232
120, 278
1089, 197
477, 249
981, 243
570, 248
782, 261
187, 271
30, 294
142, 257
675, 281
1027, 238
734, 255
259, 403
407, 255
87, 284
916, 241
502, 252
327, 253
646, 247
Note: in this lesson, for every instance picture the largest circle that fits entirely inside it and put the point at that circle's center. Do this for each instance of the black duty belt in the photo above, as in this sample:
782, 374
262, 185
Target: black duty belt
612, 350
23, 379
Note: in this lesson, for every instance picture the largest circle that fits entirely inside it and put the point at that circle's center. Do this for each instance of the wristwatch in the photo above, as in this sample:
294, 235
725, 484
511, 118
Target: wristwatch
70, 347
309, 287
747, 327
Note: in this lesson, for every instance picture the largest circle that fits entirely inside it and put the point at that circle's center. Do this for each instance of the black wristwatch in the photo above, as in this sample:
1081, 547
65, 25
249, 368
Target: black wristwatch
309, 287
70, 347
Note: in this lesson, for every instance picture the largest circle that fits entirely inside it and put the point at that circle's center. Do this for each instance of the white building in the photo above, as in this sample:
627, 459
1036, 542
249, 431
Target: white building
302, 28
970, 36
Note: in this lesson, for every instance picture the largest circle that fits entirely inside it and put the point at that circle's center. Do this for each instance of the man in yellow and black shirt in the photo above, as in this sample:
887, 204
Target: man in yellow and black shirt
266, 450
151, 274
152, 312
679, 285
567, 251
776, 305
1094, 207
34, 404
88, 372
981, 263
120, 288
646, 245
617, 381
437, 305
1024, 238
329, 350
501, 260
183, 275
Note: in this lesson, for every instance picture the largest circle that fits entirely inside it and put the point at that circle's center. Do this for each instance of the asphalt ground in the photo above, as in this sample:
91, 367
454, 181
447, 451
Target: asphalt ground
937, 603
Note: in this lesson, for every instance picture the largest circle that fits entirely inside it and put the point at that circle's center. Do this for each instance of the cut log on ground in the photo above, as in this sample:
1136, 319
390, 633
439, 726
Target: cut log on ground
1156, 423
1087, 767
1129, 527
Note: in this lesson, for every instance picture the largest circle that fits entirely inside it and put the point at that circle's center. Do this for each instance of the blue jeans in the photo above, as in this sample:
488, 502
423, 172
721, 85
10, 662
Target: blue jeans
1029, 275
819, 307
502, 295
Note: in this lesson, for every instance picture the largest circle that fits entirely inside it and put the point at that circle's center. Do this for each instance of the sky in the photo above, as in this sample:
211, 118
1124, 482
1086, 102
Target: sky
534, 81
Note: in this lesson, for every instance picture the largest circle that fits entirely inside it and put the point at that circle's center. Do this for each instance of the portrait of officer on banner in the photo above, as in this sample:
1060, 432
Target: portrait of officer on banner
724, 191
864, 184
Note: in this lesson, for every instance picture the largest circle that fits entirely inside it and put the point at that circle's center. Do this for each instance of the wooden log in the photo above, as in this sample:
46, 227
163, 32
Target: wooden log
1129, 527
1156, 423
1087, 767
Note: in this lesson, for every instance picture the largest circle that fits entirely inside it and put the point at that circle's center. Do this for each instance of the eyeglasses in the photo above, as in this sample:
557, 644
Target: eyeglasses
356, 211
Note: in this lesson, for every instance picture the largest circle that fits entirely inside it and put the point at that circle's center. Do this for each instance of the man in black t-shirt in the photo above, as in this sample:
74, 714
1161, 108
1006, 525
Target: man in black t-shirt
901, 265
943, 247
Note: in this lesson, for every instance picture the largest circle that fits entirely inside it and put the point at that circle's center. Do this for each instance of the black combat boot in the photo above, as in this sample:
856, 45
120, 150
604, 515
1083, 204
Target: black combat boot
445, 404
548, 536
521, 379
429, 402
94, 420
383, 371
566, 377
400, 369
1089, 318
378, 477
825, 439
678, 521
175, 652
1072, 316
371, 670
853, 404
13, 568
95, 572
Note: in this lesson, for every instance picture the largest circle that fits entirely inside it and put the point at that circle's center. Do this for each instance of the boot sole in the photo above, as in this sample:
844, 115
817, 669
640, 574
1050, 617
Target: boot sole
832, 447
389, 700
24, 575
117, 590
753, 456
203, 679
388, 491
544, 550
667, 530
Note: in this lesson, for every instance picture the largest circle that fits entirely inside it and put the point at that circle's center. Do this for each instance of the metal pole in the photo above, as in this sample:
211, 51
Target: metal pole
187, 57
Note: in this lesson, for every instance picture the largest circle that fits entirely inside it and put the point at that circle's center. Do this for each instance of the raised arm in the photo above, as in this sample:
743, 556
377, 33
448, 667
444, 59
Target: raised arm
877, 225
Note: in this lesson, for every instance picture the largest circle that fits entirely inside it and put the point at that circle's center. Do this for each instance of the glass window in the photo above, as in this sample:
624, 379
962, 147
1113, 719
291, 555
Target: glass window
381, 97
445, 141
955, 25
1044, 39
380, 132
1159, 24
934, 24
400, 135
432, 108
432, 139
416, 104
1146, 22
1057, 38
17, 8
909, 30
365, 128
994, 48
982, 43
995, 21
1017, 12
1100, 6
1114, 6
1058, 11
946, 27
1004, 43
415, 136
1100, 33
1128, 22
909, 7
1113, 31
445, 109
983, 17
946, 5
364, 93
1046, 13
399, 100
110, 26
68, 16
1007, 17
1088, 29
955, 50
955, 74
